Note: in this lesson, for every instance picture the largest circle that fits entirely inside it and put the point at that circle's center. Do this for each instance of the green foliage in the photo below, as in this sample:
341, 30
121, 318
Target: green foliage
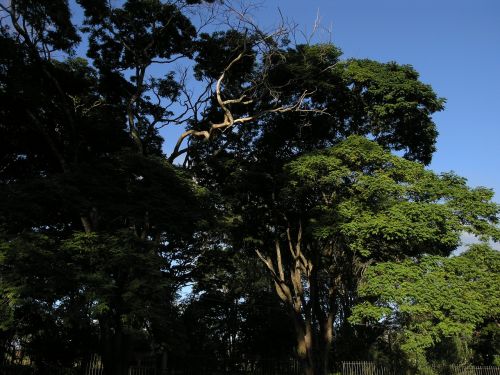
91, 229
99, 231
136, 33
383, 206
232, 311
386, 92
363, 97
48, 313
50, 20
119, 281
433, 299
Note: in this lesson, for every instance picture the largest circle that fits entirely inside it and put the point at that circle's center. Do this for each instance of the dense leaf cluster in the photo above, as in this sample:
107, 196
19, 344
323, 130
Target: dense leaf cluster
250, 252
426, 302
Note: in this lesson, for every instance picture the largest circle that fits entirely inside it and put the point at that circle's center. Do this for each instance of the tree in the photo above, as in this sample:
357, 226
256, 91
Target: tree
82, 165
245, 167
230, 64
233, 320
88, 223
85, 185
349, 206
433, 306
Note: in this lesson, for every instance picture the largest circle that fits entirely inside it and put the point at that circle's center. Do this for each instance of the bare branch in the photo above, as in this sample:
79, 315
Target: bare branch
282, 289
279, 261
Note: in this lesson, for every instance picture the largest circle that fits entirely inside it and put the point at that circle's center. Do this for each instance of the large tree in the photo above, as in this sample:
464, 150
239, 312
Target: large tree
84, 179
342, 209
87, 188
92, 226
432, 307
245, 166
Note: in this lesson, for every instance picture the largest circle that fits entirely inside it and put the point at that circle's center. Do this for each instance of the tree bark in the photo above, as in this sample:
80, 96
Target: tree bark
300, 288
313, 347
115, 350
303, 338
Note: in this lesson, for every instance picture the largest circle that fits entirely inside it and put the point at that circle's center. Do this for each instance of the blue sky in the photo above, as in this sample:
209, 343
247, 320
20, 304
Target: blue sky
455, 45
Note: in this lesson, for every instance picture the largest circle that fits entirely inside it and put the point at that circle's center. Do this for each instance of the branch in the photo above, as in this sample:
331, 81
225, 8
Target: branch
266, 47
279, 261
59, 156
281, 288
176, 153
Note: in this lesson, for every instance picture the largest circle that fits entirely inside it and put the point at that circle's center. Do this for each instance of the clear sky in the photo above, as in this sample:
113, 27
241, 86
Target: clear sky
454, 44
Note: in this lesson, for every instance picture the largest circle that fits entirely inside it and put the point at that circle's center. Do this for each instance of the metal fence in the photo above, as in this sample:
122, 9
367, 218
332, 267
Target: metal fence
200, 366
472, 370
95, 367
365, 368
259, 367
186, 369
372, 368
30, 370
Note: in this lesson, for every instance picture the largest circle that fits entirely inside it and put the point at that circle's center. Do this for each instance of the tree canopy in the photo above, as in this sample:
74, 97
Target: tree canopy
242, 244
431, 300
347, 207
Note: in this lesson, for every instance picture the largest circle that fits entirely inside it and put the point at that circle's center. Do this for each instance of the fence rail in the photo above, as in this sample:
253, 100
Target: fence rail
372, 368
365, 368
95, 367
473, 370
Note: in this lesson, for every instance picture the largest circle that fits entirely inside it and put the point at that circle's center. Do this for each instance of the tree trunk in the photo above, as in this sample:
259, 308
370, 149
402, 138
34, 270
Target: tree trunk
115, 351
326, 341
313, 347
164, 362
303, 334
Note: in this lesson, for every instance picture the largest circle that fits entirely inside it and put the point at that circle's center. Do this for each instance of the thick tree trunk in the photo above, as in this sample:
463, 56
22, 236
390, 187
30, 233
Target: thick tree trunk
307, 369
321, 365
299, 289
115, 351
326, 343
313, 347
164, 363
304, 347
